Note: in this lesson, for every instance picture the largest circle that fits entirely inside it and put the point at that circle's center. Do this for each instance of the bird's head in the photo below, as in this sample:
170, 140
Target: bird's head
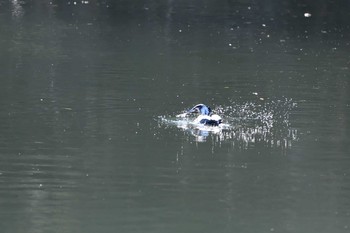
200, 108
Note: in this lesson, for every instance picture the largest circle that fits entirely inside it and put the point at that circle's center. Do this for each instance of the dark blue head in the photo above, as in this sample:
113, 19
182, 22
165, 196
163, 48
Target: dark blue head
200, 108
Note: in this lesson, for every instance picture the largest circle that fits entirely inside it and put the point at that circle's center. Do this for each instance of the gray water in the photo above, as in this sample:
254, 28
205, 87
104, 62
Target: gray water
85, 87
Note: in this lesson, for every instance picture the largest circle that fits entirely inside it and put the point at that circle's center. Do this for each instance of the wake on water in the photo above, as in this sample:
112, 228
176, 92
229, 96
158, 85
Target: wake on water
247, 123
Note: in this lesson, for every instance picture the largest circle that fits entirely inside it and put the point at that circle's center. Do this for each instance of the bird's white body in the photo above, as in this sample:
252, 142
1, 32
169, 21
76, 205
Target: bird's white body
206, 118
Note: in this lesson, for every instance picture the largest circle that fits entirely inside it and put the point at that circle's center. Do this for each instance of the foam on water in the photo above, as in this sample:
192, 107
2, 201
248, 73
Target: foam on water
266, 122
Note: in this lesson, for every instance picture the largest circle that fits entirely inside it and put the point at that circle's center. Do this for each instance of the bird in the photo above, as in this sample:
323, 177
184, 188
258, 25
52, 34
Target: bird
205, 115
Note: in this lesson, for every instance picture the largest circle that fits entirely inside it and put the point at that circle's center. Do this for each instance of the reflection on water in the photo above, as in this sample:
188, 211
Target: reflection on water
17, 10
244, 125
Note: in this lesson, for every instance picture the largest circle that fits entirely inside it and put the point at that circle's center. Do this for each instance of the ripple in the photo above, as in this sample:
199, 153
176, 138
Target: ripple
245, 125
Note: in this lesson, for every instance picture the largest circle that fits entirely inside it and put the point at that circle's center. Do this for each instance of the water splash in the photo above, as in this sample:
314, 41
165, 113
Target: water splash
245, 125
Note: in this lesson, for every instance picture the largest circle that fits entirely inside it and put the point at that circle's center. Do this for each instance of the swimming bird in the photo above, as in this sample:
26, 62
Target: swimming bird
205, 117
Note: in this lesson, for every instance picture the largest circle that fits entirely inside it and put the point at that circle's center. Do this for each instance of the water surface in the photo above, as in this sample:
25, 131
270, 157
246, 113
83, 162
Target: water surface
83, 87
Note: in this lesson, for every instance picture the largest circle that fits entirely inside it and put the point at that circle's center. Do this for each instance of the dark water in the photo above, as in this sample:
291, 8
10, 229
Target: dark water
83, 86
